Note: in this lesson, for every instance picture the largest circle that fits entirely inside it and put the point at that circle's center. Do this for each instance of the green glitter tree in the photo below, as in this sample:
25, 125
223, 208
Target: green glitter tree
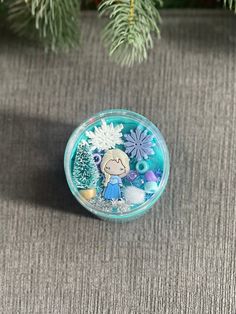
85, 172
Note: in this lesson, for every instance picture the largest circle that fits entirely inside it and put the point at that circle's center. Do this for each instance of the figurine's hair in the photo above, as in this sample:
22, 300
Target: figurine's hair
114, 154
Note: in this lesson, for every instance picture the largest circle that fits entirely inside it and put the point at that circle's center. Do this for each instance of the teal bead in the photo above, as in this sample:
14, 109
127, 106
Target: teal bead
150, 187
142, 166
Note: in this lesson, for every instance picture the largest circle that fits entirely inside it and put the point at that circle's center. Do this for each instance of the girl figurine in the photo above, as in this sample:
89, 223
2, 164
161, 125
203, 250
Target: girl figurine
114, 165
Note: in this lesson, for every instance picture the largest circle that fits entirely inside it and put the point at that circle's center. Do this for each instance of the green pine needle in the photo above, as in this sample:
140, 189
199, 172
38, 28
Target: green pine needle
128, 34
54, 22
231, 4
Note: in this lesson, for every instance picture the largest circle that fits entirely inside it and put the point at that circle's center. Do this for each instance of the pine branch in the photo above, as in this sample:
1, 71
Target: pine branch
3, 13
128, 34
55, 22
231, 4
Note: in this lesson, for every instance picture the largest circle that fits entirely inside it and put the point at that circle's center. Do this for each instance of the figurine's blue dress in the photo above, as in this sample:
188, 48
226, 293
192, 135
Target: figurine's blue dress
112, 190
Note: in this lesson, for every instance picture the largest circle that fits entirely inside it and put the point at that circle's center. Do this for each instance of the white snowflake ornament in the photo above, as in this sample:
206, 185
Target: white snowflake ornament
106, 136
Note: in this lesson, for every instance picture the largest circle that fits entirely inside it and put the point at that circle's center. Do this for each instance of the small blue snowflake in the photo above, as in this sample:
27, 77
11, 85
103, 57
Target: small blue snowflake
139, 144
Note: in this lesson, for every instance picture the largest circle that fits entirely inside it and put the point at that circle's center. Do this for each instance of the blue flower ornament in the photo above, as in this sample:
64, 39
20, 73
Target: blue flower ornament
139, 144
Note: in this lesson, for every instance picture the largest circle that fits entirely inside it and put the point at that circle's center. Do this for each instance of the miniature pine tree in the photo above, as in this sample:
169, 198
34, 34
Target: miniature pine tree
85, 172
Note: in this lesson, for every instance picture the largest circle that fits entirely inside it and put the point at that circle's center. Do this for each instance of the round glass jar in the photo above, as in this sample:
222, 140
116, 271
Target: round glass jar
117, 164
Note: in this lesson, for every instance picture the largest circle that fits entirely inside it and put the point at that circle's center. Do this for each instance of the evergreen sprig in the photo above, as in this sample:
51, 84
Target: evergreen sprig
128, 35
55, 22
231, 4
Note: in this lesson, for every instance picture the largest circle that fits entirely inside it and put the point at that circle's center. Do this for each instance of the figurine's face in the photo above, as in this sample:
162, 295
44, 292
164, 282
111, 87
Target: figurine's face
115, 168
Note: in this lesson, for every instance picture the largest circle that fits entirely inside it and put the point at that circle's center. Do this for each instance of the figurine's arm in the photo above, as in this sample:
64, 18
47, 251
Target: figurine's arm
120, 181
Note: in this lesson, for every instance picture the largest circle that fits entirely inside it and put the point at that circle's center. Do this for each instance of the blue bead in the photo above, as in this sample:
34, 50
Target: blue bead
139, 182
97, 158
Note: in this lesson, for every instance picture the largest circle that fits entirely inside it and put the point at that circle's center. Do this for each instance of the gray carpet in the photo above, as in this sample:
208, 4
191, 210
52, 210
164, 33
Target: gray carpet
180, 258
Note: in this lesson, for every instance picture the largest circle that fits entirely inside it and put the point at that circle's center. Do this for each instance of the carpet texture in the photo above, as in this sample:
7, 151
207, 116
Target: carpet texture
181, 257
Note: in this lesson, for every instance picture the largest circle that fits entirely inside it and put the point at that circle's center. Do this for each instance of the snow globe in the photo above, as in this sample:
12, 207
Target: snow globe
117, 164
